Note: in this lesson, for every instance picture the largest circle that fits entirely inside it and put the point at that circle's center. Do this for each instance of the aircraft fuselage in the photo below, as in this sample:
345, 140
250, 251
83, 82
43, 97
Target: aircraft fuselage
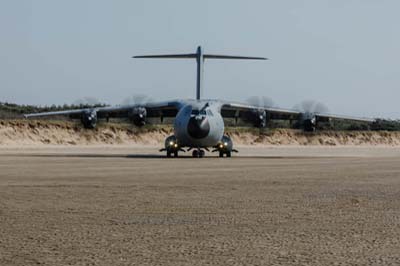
199, 124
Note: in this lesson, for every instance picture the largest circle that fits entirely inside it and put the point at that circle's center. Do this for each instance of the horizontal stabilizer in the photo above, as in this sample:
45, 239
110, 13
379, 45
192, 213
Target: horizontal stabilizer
167, 56
215, 56
205, 56
200, 58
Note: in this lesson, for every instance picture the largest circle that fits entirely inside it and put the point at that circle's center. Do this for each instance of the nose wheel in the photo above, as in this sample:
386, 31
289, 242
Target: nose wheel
174, 153
198, 153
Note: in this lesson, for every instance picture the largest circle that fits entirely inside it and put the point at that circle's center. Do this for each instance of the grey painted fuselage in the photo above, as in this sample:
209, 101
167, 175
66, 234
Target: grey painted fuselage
199, 124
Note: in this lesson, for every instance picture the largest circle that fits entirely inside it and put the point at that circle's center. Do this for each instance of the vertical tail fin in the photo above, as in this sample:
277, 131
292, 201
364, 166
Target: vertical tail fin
200, 57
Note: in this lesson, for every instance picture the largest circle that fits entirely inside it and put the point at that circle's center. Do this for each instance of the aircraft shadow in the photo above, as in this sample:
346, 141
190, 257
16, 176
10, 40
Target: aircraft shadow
152, 156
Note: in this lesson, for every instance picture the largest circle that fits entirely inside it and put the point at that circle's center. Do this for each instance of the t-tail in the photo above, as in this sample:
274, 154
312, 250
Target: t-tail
200, 57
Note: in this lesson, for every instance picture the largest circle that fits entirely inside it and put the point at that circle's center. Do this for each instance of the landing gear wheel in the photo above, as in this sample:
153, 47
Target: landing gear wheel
221, 154
198, 153
176, 154
228, 154
201, 153
168, 154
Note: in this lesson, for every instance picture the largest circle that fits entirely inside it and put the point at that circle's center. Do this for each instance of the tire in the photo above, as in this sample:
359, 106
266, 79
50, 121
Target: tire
176, 154
168, 154
221, 154
228, 154
201, 154
195, 154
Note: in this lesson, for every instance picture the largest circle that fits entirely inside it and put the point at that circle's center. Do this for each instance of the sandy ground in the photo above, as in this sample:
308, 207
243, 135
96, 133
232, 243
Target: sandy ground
44, 133
111, 205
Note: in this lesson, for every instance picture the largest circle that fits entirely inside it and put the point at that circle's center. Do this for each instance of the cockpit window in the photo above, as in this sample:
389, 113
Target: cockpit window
199, 112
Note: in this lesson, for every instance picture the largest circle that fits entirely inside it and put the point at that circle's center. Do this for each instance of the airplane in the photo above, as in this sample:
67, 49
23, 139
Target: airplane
198, 123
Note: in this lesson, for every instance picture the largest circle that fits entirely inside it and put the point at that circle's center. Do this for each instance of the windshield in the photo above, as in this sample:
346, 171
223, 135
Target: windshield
199, 112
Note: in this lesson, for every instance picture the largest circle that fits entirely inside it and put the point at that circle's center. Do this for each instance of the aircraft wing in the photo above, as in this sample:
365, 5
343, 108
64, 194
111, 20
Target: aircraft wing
157, 109
56, 113
240, 110
344, 117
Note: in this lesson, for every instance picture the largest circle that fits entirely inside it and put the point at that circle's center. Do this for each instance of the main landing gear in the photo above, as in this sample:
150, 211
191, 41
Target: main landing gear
172, 147
225, 147
169, 154
228, 154
198, 153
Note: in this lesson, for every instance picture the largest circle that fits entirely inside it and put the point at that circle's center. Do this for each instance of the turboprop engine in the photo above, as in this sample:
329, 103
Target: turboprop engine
309, 119
138, 116
260, 118
89, 119
308, 122
257, 117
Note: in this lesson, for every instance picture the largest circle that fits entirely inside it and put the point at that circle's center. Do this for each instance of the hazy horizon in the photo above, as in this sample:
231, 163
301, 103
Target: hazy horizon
341, 53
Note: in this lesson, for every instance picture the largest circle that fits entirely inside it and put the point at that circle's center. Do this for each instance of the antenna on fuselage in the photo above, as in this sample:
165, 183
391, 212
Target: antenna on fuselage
200, 57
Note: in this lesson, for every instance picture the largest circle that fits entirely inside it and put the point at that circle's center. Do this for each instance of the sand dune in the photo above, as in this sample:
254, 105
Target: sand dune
23, 132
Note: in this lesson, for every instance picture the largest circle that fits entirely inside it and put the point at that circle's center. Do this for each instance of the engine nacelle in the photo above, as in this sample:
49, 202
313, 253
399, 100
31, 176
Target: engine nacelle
308, 122
138, 116
89, 119
257, 117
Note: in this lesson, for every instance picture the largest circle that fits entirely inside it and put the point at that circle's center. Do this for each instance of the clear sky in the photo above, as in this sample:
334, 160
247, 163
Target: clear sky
344, 53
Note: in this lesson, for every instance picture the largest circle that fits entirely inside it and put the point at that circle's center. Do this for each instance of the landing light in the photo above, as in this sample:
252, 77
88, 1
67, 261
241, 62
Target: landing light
226, 143
176, 145
171, 143
221, 146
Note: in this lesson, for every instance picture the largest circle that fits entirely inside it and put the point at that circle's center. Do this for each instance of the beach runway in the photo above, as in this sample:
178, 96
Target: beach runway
132, 206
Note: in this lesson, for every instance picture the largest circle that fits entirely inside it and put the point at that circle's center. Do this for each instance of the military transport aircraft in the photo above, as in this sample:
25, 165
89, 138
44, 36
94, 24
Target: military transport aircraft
198, 123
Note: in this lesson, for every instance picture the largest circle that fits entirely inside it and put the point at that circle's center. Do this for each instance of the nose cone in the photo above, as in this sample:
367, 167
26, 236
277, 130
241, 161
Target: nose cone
198, 128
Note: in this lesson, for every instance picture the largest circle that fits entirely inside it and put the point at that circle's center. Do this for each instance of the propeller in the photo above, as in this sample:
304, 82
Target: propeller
311, 107
258, 116
87, 101
261, 101
138, 113
137, 99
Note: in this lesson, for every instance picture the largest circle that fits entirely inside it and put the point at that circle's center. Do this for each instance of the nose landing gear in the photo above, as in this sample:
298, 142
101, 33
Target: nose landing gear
198, 153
